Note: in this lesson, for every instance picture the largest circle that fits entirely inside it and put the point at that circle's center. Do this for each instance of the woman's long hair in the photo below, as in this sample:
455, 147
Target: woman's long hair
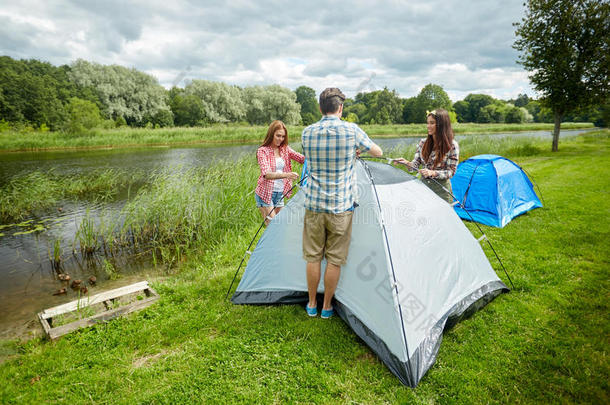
275, 125
442, 142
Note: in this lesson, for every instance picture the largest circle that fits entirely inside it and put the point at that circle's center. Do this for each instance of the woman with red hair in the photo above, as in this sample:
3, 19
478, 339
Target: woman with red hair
275, 160
438, 154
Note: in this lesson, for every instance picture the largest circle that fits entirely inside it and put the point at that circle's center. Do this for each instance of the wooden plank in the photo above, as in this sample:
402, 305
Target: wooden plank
149, 291
45, 325
96, 299
54, 333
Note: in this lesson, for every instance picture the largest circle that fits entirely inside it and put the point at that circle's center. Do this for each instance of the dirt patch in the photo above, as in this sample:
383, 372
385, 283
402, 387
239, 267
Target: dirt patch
367, 357
147, 360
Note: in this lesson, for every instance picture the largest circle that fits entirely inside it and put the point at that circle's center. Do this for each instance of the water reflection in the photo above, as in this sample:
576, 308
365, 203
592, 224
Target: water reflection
141, 159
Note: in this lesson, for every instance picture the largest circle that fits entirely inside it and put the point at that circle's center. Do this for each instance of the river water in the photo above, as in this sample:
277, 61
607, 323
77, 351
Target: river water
28, 279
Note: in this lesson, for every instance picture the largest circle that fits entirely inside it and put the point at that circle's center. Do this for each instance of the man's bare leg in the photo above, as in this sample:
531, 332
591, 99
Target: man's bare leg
331, 279
313, 279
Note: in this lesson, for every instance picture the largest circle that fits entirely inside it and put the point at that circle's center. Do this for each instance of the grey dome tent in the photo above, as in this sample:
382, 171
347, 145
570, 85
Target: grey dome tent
413, 269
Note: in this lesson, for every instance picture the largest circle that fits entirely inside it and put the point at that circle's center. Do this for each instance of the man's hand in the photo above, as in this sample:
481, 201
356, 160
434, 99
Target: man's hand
376, 151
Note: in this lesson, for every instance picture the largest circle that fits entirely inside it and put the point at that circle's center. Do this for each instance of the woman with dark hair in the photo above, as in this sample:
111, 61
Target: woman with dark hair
274, 158
438, 154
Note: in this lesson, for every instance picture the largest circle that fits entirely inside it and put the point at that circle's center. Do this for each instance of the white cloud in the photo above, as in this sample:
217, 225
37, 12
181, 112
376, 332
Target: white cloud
463, 46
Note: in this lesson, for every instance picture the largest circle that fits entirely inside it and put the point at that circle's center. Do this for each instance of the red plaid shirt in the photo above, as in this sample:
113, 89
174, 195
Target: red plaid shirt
266, 161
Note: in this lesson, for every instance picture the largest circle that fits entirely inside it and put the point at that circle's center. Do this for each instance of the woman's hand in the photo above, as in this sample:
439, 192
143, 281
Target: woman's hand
427, 173
405, 162
293, 176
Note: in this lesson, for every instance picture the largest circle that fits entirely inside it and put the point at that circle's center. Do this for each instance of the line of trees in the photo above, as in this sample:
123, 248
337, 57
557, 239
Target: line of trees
84, 95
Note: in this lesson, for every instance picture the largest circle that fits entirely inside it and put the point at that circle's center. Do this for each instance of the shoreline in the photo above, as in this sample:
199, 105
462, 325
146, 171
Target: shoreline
246, 135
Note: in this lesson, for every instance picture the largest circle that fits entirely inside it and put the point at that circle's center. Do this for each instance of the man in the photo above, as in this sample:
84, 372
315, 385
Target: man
330, 145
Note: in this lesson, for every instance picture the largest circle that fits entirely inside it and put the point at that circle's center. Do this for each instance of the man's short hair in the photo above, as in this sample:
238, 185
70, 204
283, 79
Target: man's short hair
330, 100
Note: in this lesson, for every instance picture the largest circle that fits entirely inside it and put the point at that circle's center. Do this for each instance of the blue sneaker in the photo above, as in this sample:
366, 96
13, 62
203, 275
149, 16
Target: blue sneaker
327, 313
311, 311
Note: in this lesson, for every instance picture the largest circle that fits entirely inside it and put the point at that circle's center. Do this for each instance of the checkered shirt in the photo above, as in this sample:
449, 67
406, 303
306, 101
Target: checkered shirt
330, 147
446, 168
266, 161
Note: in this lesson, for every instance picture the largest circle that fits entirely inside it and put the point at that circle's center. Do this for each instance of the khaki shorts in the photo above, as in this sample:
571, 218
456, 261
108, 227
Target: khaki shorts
327, 235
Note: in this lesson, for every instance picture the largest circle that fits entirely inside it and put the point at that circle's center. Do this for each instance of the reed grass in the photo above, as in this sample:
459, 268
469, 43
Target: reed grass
28, 193
55, 257
110, 270
86, 235
129, 137
181, 211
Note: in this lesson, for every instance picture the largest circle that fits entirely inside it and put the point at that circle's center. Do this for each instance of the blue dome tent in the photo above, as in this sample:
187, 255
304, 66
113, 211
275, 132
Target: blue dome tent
493, 190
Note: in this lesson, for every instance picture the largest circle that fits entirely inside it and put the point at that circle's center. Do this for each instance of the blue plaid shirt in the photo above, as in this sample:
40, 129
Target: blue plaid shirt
330, 146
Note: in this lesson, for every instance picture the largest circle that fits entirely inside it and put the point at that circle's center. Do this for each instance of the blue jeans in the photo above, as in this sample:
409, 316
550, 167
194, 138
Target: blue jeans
276, 200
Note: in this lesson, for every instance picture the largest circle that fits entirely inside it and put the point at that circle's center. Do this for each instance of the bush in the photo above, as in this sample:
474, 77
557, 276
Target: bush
308, 118
5, 126
351, 117
514, 116
120, 122
83, 115
163, 118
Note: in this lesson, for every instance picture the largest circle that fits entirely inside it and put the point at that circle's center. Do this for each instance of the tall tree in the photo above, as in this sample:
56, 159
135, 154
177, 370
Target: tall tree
267, 103
565, 44
522, 100
477, 102
310, 109
462, 109
430, 97
355, 111
386, 107
222, 102
123, 92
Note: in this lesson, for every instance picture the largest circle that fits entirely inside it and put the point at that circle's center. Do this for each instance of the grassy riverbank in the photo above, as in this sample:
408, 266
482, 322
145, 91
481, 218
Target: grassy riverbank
545, 342
130, 137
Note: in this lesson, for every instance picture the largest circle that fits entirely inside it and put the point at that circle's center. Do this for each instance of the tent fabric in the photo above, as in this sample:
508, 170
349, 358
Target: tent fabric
493, 190
413, 269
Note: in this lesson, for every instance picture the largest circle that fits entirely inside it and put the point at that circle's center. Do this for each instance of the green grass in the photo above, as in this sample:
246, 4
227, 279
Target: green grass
28, 193
129, 137
545, 342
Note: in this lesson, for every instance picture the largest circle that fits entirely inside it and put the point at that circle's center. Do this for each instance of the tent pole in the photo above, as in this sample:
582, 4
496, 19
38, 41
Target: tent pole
254, 238
467, 188
244, 258
532, 178
385, 234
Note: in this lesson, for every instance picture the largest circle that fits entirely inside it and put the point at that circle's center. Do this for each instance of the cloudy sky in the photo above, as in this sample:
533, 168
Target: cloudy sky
463, 45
